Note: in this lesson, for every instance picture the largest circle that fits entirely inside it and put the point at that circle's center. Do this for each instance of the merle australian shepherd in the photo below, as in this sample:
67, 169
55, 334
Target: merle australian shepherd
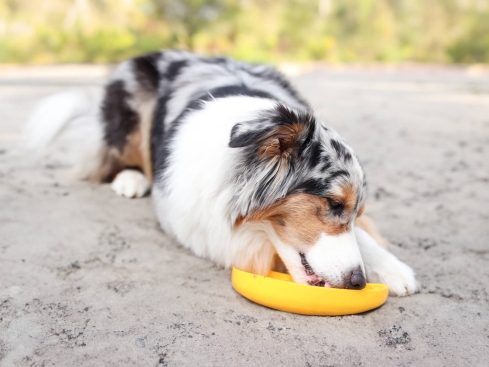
240, 169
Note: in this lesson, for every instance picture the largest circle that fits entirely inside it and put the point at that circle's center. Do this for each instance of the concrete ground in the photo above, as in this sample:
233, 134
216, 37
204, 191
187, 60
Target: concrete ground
88, 279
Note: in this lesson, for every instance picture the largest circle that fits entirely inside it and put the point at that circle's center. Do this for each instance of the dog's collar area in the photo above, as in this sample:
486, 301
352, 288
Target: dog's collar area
314, 279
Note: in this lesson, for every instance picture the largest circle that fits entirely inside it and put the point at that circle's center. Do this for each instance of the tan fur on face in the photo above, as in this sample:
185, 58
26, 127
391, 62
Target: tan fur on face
300, 219
347, 196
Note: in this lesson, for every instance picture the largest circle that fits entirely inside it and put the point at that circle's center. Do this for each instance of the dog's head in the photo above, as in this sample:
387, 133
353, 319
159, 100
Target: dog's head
307, 185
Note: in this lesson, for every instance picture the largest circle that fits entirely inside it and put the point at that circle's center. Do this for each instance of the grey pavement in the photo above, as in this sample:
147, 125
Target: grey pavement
88, 278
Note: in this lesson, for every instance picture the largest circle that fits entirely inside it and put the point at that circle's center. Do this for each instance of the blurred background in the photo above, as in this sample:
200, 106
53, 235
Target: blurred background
333, 31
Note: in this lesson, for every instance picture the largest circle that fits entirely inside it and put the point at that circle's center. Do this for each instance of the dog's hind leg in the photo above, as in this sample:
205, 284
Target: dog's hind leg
126, 114
383, 267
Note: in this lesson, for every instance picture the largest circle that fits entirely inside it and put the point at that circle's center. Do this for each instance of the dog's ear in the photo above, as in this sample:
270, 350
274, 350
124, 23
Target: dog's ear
280, 132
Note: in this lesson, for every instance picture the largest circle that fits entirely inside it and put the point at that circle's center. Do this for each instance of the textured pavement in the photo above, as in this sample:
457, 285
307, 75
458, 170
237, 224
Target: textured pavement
88, 279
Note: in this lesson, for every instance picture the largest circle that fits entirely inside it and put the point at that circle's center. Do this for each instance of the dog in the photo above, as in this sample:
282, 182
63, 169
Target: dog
241, 171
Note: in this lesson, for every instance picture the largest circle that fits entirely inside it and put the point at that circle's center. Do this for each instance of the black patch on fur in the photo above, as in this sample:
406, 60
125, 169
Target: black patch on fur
284, 116
341, 151
159, 137
175, 69
146, 71
158, 147
236, 90
339, 173
267, 73
339, 148
264, 127
214, 60
305, 264
318, 186
314, 154
196, 102
310, 134
326, 164
119, 118
313, 187
279, 78
335, 207
251, 137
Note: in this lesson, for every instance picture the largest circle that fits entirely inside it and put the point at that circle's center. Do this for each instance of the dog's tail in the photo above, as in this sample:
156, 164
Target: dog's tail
54, 113
71, 119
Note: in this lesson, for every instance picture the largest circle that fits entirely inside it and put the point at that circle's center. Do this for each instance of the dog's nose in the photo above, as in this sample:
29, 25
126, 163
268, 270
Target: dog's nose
357, 280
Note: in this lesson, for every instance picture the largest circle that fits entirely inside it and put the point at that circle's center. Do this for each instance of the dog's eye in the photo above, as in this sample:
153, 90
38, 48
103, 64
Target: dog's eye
335, 206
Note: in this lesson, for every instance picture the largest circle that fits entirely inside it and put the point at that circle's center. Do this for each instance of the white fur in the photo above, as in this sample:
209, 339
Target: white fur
333, 258
383, 267
72, 118
52, 114
193, 204
124, 71
130, 183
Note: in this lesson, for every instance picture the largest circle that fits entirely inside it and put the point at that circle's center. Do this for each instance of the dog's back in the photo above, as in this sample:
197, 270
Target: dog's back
148, 96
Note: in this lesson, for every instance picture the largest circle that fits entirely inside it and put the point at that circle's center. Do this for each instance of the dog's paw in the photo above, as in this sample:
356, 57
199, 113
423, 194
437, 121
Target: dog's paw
395, 274
130, 183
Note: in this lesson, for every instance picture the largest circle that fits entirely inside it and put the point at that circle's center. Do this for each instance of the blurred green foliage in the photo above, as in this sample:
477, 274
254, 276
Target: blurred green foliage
51, 31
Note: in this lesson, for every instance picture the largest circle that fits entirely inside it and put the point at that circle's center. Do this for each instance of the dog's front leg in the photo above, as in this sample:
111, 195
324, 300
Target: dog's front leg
383, 267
